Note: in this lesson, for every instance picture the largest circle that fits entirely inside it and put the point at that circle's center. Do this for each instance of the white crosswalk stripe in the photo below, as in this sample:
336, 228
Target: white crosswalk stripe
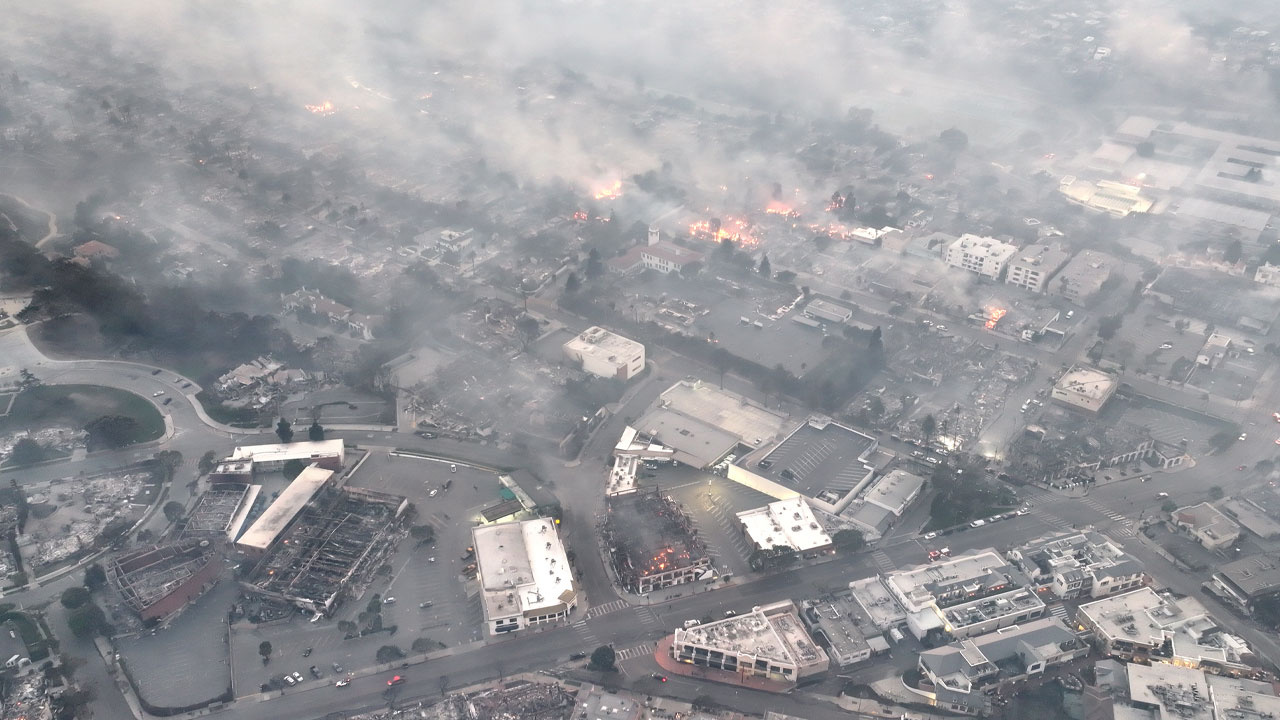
646, 615
583, 632
1059, 611
882, 561
606, 608
634, 652
1049, 518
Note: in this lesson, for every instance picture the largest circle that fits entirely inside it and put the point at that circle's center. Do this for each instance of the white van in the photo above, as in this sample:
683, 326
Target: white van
691, 623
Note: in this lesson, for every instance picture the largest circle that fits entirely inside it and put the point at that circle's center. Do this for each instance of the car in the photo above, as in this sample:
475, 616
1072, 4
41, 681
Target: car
389, 600
297, 677
940, 327
343, 682
168, 400
317, 617
933, 460
977, 523
578, 656
424, 605
396, 680
306, 653
730, 613
658, 676
788, 474
157, 393
934, 555
946, 552
765, 464
1166, 346
337, 668
426, 434
315, 671
1162, 495
1243, 437
1071, 314
433, 492
1023, 511
930, 536
1275, 416
1240, 467
186, 385
288, 680
155, 372
453, 468
1278, 441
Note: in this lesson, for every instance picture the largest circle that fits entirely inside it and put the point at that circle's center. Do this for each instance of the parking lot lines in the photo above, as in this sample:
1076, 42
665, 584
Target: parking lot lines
605, 609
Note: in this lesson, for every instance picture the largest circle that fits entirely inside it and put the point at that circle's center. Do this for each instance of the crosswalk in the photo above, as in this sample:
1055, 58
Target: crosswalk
883, 562
605, 609
1049, 518
646, 616
1059, 611
584, 632
634, 652
1124, 524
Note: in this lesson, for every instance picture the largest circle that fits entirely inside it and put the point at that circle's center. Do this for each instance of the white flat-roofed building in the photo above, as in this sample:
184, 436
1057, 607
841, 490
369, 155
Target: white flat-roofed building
962, 596
1267, 274
1034, 265
524, 574
1145, 625
1208, 525
279, 515
769, 642
668, 257
1073, 565
984, 256
1082, 278
606, 354
828, 311
790, 523
1085, 388
894, 492
328, 454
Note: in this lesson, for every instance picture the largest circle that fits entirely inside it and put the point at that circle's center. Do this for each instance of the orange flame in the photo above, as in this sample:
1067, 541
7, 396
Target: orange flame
993, 316
777, 208
609, 192
580, 215
324, 109
735, 229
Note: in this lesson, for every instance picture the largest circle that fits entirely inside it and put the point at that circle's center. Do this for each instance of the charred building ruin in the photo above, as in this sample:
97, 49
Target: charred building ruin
652, 542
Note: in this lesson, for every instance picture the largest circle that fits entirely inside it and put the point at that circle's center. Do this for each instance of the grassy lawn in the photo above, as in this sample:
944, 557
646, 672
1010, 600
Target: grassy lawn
76, 405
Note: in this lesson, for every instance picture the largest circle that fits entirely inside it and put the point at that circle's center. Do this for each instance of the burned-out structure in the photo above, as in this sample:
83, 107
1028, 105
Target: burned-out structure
220, 512
339, 535
652, 542
158, 581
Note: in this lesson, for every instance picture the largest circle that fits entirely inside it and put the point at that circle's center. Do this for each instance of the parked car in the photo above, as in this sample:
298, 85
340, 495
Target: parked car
395, 680
389, 600
297, 677
930, 536
155, 372
977, 523
691, 623
168, 400
578, 656
288, 680
306, 653
343, 682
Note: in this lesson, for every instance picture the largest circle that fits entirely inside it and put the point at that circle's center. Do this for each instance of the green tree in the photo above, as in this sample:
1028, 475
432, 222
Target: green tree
95, 577
849, 540
173, 511
27, 379
74, 597
293, 468
315, 433
423, 644
27, 452
388, 653
111, 431
284, 431
928, 426
603, 659
169, 462
764, 268
572, 284
87, 621
1216, 493
1169, 506
1108, 326
264, 649
207, 462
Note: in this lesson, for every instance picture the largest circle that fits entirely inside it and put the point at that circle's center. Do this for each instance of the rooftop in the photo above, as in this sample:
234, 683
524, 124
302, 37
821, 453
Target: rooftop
1143, 617
730, 412
289, 451
772, 632
144, 577
1087, 552
598, 342
820, 459
845, 626
671, 252
1087, 382
785, 522
1178, 691
894, 491
1254, 575
1205, 518
522, 568
647, 533
286, 507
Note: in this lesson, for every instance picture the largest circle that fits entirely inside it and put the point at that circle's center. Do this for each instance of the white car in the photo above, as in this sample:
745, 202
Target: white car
433, 492
157, 393
977, 523
1023, 511
288, 680
343, 682
930, 536
691, 623
389, 600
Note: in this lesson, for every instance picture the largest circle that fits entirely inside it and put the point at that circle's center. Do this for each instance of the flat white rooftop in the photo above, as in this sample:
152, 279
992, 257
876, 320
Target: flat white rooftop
522, 568
785, 522
604, 344
289, 451
280, 513
1087, 382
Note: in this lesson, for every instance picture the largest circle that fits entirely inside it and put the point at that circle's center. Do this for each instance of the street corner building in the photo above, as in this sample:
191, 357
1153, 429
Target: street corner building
769, 643
524, 574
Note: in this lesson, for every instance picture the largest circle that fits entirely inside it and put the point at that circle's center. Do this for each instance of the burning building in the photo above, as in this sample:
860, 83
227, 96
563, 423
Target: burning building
652, 542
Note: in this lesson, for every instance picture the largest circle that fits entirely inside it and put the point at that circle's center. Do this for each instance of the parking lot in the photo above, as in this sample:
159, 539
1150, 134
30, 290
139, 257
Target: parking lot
713, 502
185, 663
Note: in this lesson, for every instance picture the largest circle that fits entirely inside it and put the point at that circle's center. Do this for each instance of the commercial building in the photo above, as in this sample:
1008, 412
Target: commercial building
980, 255
220, 512
652, 542
1034, 266
1218, 298
845, 631
962, 596
784, 523
606, 354
1073, 565
1169, 692
328, 454
1208, 525
1147, 627
1085, 388
820, 459
961, 671
768, 642
158, 581
1214, 351
338, 538
820, 309
666, 257
1108, 196
1252, 517
1081, 279
280, 515
1249, 579
894, 492
702, 423
524, 574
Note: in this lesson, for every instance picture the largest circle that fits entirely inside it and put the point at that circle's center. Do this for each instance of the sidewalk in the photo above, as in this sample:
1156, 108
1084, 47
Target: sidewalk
663, 657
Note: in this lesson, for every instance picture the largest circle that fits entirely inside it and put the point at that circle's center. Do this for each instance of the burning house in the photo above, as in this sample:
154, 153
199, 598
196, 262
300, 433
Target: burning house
652, 542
